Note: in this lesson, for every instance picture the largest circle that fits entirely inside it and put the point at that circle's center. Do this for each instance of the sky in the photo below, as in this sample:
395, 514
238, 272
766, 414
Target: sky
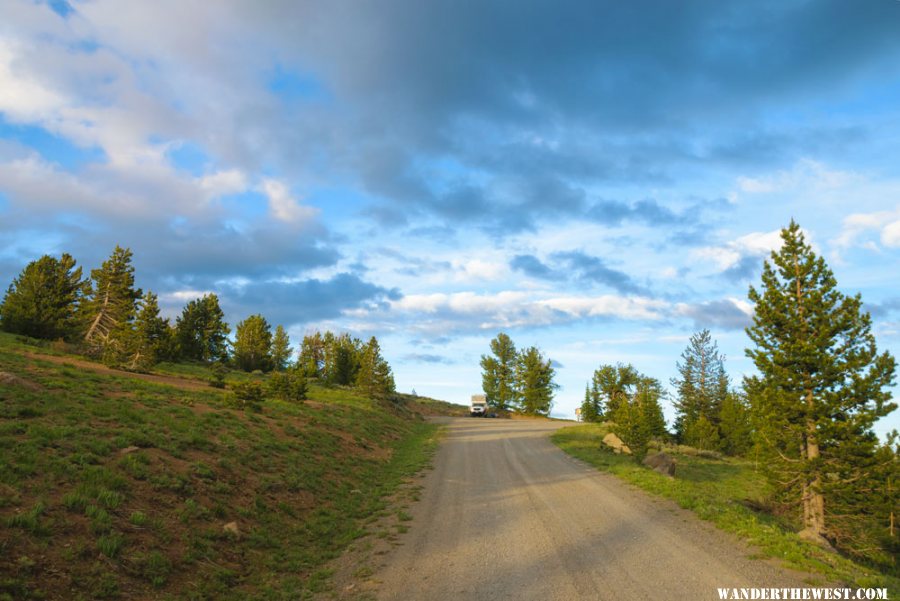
597, 179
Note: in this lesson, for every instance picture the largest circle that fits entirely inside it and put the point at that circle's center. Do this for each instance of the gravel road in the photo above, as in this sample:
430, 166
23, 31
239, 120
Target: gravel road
507, 515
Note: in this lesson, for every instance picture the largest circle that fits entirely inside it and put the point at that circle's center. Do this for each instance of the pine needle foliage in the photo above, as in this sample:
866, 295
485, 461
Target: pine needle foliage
821, 386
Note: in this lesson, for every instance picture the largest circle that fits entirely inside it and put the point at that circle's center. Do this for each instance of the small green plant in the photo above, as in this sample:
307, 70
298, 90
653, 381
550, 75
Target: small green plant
110, 544
154, 567
217, 375
110, 498
248, 395
29, 520
74, 501
138, 518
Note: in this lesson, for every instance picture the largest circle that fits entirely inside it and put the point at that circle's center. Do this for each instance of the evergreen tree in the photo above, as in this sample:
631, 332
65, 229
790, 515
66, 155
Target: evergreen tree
312, 355
702, 386
281, 349
346, 357
253, 344
499, 374
590, 407
42, 302
534, 382
201, 331
374, 377
152, 334
647, 395
734, 425
111, 306
637, 415
612, 385
821, 382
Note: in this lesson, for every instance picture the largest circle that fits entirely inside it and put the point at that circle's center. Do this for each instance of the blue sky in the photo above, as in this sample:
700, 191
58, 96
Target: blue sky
599, 179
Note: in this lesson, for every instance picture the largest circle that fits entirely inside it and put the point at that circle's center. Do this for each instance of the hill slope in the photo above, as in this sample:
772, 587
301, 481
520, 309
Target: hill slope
113, 486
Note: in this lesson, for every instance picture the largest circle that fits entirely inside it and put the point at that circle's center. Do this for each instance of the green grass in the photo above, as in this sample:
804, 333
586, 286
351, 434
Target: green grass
302, 480
729, 493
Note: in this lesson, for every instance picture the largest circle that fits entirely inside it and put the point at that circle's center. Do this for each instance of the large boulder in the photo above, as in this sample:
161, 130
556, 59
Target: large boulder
616, 444
662, 463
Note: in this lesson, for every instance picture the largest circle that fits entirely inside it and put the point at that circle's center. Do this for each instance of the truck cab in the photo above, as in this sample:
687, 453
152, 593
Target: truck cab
478, 406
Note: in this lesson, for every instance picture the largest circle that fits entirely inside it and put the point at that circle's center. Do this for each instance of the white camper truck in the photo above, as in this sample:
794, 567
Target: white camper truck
478, 407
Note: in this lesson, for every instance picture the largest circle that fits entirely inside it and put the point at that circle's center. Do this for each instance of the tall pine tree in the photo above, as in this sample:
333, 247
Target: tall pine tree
374, 376
281, 349
43, 301
534, 382
253, 344
201, 331
702, 386
498, 377
111, 307
821, 383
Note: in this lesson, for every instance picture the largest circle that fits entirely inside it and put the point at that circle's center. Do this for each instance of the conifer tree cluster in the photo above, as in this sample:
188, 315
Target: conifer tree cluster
520, 381
343, 360
630, 400
107, 316
709, 415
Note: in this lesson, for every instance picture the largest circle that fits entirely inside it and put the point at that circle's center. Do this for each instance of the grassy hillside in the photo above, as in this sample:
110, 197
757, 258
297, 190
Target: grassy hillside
123, 488
732, 494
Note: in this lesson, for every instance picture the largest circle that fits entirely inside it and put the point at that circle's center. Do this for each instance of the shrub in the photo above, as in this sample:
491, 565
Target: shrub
248, 395
288, 386
217, 377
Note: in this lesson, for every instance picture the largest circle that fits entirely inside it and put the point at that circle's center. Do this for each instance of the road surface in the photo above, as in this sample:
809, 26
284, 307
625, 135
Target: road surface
507, 515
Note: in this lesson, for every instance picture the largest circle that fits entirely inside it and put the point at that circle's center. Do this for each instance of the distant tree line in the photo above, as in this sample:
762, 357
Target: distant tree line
109, 318
517, 381
806, 418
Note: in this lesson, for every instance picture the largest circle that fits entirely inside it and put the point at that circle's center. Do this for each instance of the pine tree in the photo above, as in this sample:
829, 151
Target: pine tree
110, 309
43, 301
612, 385
152, 334
253, 344
534, 382
374, 377
702, 388
346, 356
647, 395
281, 349
499, 374
201, 331
590, 407
734, 425
312, 355
821, 382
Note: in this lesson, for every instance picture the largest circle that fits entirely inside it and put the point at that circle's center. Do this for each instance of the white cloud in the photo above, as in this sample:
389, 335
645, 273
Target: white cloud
220, 183
890, 235
754, 244
805, 175
282, 204
856, 226
478, 269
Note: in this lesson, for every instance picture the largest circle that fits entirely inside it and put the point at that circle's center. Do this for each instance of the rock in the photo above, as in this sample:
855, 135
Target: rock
662, 463
9, 379
616, 444
128, 450
232, 528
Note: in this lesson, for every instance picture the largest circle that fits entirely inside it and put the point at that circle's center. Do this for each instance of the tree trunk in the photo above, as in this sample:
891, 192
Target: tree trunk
813, 499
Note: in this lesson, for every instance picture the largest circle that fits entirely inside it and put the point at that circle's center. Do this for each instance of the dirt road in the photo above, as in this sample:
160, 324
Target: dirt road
507, 515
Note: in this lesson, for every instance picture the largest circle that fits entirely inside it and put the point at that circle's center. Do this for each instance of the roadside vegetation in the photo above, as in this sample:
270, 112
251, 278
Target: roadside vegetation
804, 419
735, 495
112, 487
